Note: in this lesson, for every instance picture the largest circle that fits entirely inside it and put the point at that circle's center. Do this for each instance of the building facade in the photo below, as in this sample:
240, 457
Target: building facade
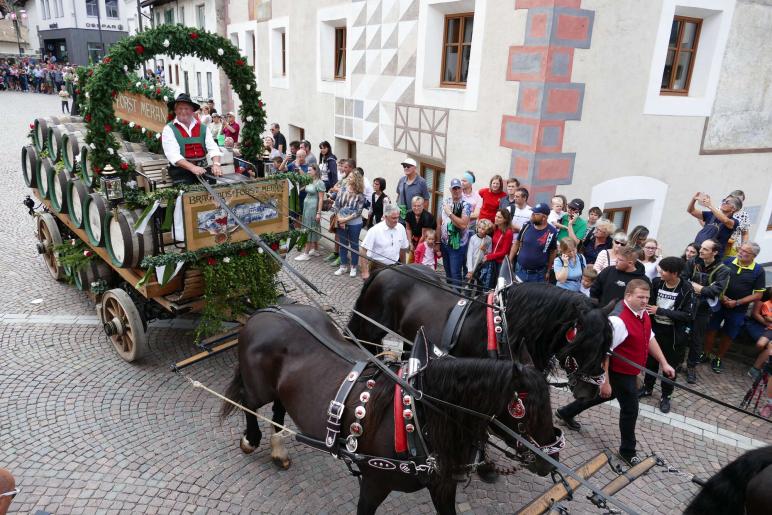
77, 31
632, 106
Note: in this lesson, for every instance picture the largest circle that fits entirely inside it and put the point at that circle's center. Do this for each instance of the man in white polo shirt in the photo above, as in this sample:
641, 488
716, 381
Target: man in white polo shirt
385, 242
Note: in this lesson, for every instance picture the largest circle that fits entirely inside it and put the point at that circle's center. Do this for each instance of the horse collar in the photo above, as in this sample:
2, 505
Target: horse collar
495, 322
338, 405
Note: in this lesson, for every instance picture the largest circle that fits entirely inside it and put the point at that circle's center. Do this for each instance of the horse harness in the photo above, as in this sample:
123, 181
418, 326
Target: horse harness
495, 322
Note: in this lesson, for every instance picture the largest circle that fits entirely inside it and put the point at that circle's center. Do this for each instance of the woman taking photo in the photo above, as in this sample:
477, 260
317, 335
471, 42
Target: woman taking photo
378, 201
569, 266
638, 237
348, 211
312, 214
599, 241
490, 198
328, 165
608, 257
500, 247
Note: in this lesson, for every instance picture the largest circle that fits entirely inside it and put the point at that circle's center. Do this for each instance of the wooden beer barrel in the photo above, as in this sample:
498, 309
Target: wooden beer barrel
40, 134
86, 169
94, 211
55, 138
72, 142
29, 164
45, 176
58, 194
125, 247
95, 270
77, 192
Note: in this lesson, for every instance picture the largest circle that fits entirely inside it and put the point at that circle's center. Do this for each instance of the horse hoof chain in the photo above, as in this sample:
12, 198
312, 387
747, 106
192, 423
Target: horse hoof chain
246, 447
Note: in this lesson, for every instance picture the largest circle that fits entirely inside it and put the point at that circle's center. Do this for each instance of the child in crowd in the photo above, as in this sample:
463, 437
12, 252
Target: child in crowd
64, 97
479, 245
558, 210
760, 328
425, 252
589, 274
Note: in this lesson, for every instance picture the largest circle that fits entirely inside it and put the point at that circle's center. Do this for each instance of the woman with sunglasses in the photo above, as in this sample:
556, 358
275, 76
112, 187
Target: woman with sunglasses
608, 257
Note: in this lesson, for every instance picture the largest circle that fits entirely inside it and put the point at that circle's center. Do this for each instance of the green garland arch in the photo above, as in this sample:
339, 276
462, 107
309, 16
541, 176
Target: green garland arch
112, 75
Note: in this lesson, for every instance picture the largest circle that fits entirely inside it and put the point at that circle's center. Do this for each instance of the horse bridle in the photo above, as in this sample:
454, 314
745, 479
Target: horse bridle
571, 366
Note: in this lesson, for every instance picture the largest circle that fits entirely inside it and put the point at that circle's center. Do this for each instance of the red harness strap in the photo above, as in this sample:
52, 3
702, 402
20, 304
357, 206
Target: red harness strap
492, 343
400, 435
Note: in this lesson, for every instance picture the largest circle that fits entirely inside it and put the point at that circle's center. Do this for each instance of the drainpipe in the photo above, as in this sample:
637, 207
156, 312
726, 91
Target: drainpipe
226, 95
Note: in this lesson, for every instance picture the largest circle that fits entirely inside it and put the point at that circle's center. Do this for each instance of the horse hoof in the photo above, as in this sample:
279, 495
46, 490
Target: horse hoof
282, 463
487, 473
245, 446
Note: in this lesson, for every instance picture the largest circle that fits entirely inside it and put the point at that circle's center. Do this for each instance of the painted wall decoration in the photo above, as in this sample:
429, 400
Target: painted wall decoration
421, 131
547, 98
382, 63
261, 10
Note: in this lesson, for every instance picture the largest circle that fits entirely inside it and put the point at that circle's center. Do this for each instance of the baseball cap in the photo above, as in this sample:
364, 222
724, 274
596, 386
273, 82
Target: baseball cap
541, 208
577, 204
409, 161
455, 183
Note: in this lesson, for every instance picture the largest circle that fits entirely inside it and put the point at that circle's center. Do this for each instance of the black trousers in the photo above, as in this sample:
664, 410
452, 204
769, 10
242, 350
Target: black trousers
672, 348
697, 343
624, 388
180, 175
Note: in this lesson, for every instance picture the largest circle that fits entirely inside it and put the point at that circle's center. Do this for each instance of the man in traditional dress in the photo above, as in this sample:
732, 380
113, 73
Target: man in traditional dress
187, 142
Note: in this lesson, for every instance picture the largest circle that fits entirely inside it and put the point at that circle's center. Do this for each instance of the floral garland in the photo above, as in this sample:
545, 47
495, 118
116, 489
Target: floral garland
134, 132
74, 254
110, 75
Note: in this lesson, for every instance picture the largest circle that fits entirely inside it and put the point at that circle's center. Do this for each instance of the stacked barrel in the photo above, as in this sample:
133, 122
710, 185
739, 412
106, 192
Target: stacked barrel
70, 189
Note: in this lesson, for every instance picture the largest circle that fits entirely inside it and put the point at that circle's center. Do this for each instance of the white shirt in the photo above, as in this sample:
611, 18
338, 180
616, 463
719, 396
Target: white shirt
172, 148
384, 243
368, 188
520, 217
620, 331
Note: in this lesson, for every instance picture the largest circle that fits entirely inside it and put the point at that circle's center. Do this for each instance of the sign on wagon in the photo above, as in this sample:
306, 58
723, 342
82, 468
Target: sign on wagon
260, 205
145, 112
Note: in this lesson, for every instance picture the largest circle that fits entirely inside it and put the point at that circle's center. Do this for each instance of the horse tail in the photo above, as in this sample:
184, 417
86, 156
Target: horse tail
235, 392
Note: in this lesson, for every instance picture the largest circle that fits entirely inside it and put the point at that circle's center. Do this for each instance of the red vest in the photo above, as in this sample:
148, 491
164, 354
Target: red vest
636, 346
191, 145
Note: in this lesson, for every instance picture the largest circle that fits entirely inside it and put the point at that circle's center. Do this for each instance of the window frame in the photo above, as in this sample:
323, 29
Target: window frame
434, 191
283, 53
201, 16
117, 10
460, 44
677, 49
609, 212
93, 3
209, 85
339, 53
169, 17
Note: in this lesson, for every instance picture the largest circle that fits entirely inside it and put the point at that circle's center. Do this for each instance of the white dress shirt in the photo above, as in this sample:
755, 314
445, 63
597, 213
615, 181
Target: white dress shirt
620, 331
172, 148
383, 243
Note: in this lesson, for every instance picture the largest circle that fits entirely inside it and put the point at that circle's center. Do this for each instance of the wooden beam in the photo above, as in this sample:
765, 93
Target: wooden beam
625, 478
204, 355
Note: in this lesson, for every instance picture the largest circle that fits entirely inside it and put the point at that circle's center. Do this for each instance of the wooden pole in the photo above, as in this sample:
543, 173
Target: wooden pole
558, 492
625, 478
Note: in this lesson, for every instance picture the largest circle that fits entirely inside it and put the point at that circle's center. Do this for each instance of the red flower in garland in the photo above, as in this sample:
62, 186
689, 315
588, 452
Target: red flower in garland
90, 73
32, 126
239, 62
125, 122
194, 35
170, 116
211, 261
108, 128
158, 91
242, 253
124, 166
88, 253
87, 118
114, 94
106, 60
139, 49
275, 246
77, 92
97, 170
260, 103
137, 127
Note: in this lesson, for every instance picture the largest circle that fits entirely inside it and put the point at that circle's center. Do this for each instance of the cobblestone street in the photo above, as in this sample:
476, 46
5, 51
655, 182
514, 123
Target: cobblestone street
85, 432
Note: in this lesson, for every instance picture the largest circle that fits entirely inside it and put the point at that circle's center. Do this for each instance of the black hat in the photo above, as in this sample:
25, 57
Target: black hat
577, 204
184, 97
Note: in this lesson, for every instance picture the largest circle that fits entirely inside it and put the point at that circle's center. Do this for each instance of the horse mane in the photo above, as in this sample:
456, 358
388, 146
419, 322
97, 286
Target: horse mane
724, 493
540, 315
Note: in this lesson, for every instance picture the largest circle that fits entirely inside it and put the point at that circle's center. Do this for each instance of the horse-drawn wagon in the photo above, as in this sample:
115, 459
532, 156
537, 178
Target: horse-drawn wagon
111, 220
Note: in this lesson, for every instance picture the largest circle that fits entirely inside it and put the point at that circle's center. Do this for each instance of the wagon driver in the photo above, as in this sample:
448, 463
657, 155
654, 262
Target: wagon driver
187, 142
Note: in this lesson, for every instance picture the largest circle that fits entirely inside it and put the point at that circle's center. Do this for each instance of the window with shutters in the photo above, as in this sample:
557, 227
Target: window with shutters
435, 182
456, 49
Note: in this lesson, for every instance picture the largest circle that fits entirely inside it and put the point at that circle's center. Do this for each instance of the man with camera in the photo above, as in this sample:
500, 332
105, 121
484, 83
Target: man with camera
572, 225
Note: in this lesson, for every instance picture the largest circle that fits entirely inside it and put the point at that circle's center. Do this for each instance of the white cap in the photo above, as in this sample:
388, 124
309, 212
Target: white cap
410, 162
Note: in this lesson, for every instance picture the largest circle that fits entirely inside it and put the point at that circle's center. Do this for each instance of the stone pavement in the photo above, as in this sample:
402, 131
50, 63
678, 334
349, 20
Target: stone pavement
84, 432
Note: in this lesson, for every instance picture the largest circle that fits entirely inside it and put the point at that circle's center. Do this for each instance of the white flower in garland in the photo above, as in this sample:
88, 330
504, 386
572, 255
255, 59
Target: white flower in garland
158, 136
166, 99
125, 68
250, 118
87, 94
260, 250
226, 260
131, 125
93, 147
249, 87
110, 150
166, 43
118, 119
220, 51
144, 130
138, 84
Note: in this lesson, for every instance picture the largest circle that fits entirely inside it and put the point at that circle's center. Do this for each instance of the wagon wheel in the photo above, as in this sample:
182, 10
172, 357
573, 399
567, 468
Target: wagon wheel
123, 325
48, 237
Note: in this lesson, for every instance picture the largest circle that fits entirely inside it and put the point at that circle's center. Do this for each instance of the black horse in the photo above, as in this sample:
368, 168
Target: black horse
280, 361
550, 321
742, 487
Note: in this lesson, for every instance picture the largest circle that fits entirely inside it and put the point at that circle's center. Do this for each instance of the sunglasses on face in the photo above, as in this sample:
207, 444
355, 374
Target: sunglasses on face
620, 242
10, 494
405, 166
